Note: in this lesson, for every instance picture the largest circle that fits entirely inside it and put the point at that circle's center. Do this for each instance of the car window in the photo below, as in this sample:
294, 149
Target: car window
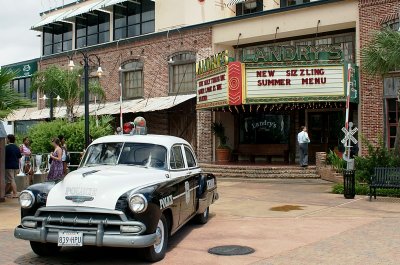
103, 154
176, 158
189, 157
144, 154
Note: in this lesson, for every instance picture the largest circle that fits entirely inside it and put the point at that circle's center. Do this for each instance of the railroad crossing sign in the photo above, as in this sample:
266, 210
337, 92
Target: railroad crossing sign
348, 134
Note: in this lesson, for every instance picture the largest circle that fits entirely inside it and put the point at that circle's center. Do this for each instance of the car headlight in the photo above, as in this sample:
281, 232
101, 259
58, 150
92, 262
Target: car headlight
137, 203
26, 199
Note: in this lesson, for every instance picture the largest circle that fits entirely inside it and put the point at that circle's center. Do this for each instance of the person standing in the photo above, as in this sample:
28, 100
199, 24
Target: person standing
13, 155
56, 168
65, 155
303, 140
26, 155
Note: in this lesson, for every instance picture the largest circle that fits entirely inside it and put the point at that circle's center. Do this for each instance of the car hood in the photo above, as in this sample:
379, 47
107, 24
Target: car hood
101, 186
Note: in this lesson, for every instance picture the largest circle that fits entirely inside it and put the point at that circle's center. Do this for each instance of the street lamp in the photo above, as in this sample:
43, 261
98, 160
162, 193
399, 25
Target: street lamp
58, 98
87, 60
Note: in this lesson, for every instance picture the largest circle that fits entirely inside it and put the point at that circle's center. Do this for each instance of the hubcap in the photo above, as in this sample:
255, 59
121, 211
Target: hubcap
158, 246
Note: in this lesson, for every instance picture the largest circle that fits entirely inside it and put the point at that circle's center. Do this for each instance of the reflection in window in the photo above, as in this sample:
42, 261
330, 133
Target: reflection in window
176, 158
143, 154
132, 80
182, 73
92, 28
103, 154
133, 19
57, 38
191, 162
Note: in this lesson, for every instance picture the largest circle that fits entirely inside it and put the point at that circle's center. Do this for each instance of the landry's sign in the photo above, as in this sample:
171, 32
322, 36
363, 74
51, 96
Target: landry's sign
212, 63
288, 53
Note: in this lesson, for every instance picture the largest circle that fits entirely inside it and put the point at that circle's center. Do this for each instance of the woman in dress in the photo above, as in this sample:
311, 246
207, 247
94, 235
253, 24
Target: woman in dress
56, 168
26, 152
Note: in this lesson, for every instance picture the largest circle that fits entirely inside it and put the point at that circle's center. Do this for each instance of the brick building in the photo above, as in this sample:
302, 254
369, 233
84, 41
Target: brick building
378, 106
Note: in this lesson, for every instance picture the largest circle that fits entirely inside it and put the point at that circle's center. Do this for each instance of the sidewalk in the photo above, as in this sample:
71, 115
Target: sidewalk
285, 221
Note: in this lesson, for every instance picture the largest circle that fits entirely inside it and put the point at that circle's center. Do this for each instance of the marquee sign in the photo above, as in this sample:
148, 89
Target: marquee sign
294, 82
222, 88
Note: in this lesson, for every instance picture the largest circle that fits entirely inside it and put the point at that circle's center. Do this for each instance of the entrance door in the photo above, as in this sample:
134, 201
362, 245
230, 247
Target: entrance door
324, 131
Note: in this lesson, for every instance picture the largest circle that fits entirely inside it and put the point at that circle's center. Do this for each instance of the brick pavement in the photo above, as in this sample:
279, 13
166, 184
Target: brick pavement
329, 230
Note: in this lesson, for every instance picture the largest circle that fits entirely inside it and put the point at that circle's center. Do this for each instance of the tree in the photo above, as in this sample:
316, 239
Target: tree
380, 57
10, 100
65, 83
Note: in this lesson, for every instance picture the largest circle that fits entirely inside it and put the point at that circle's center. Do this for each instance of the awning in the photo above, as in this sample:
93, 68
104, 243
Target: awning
50, 19
107, 3
128, 106
85, 9
235, 2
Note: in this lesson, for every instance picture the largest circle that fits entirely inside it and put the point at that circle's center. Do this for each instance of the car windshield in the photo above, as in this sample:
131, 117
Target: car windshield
132, 154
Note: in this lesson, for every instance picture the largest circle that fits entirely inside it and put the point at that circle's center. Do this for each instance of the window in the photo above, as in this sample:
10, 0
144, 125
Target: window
22, 86
392, 117
177, 157
182, 77
191, 162
285, 3
92, 28
392, 24
132, 80
57, 38
143, 154
133, 19
248, 7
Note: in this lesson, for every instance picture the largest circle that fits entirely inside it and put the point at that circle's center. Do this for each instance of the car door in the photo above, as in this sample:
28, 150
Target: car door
178, 173
191, 181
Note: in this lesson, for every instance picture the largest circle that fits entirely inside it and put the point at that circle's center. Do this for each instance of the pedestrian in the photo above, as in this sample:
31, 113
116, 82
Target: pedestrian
303, 140
26, 153
56, 171
65, 156
13, 155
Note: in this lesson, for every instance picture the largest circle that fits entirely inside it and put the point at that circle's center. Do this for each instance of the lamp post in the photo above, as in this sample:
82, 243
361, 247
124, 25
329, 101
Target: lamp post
71, 65
51, 103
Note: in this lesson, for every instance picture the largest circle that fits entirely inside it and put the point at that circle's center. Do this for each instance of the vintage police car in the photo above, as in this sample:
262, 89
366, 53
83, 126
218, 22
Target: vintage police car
129, 191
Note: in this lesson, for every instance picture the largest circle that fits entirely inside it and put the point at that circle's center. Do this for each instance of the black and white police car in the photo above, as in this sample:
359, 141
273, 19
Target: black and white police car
130, 191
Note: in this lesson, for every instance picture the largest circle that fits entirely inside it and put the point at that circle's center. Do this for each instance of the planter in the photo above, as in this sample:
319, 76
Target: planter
223, 154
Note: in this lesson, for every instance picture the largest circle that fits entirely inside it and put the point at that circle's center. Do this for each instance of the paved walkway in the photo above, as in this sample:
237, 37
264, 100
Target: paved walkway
286, 221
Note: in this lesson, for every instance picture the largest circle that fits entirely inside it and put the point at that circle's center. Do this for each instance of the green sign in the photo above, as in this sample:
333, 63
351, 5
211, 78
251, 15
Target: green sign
22, 69
288, 53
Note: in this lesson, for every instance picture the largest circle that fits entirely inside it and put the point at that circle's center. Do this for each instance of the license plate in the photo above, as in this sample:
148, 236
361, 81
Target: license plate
70, 239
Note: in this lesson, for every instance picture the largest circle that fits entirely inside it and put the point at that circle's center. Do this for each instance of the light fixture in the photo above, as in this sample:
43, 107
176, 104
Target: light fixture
170, 60
44, 97
58, 98
71, 65
119, 68
99, 71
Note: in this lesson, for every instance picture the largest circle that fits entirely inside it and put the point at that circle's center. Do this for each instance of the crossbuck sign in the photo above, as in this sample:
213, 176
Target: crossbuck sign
348, 134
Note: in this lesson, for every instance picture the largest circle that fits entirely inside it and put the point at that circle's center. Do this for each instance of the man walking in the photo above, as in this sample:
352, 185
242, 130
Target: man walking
303, 140
13, 155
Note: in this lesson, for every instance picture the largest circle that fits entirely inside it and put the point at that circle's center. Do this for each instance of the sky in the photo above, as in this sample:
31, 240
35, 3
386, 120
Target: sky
17, 41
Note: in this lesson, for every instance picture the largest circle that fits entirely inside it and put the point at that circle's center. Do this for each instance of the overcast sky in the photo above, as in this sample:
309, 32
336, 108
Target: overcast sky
17, 41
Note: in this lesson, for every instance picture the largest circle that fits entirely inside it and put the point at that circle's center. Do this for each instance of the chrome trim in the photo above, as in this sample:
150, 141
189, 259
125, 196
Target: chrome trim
80, 209
31, 194
141, 196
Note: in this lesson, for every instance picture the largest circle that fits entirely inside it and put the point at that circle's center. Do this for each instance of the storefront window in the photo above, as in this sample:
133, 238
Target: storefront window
57, 38
133, 19
132, 82
248, 7
264, 129
92, 28
285, 3
183, 73
22, 86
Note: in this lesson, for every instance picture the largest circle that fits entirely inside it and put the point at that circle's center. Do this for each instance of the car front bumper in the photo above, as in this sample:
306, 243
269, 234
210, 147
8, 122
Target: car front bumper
107, 240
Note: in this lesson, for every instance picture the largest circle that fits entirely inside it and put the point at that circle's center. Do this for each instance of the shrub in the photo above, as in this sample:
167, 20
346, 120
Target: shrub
42, 133
379, 156
363, 189
335, 161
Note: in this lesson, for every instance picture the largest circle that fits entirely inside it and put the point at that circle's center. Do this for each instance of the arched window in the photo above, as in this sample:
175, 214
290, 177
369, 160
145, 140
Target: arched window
132, 80
182, 73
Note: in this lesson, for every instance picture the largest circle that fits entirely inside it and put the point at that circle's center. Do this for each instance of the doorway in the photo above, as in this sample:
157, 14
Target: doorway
324, 129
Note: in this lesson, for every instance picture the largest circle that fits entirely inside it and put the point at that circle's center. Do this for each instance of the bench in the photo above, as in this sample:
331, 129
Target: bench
263, 150
384, 178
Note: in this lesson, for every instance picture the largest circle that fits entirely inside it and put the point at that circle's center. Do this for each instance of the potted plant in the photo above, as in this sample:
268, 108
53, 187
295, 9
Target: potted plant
222, 151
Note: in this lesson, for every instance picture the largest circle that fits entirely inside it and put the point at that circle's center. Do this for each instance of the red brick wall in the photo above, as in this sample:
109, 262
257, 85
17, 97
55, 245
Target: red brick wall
153, 52
372, 13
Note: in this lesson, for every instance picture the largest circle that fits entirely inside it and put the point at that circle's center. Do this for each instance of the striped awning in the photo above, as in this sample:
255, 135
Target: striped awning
234, 2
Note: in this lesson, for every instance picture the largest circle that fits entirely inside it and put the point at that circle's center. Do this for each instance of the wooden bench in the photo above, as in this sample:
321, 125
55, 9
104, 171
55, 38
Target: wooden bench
384, 178
263, 150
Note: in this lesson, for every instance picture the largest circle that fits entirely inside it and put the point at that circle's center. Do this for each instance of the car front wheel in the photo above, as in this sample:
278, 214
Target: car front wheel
157, 251
45, 249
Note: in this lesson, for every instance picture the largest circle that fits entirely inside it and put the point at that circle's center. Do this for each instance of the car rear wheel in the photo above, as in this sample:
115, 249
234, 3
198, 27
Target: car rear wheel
202, 218
157, 251
45, 249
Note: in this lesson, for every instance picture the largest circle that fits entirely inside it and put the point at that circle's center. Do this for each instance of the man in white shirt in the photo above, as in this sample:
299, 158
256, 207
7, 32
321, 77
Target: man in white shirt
303, 140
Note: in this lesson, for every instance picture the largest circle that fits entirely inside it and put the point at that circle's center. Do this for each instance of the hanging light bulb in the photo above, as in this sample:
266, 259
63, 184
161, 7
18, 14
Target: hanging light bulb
71, 65
99, 71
